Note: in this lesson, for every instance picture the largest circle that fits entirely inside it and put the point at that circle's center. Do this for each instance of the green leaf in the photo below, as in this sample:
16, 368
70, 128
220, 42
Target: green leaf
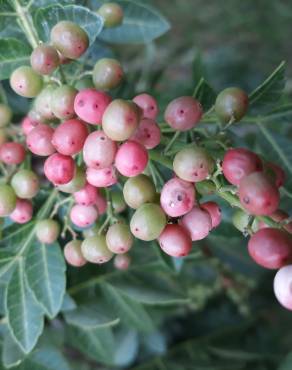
126, 347
46, 18
141, 24
286, 364
45, 271
24, 315
68, 303
13, 53
269, 91
205, 94
12, 354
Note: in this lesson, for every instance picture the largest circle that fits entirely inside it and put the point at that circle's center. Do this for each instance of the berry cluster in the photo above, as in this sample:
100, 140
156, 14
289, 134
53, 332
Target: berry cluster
97, 152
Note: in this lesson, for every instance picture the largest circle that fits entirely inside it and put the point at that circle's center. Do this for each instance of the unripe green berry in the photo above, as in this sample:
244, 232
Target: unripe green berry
118, 202
231, 105
107, 74
25, 184
93, 230
44, 59
26, 82
47, 231
43, 102
76, 184
112, 14
73, 254
240, 221
139, 190
62, 102
95, 250
119, 238
5, 115
7, 200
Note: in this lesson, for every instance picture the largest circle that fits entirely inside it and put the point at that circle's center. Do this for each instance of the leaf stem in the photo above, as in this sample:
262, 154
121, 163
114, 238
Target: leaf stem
26, 24
171, 142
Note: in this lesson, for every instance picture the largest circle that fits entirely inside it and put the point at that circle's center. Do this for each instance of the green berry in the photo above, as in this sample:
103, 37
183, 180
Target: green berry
93, 230
95, 250
240, 221
107, 74
7, 200
231, 105
112, 14
76, 184
139, 190
26, 82
118, 202
119, 238
47, 231
25, 184
43, 103
5, 115
62, 103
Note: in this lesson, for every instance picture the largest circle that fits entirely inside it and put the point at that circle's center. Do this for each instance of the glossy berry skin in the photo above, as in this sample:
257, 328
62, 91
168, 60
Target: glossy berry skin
258, 195
177, 197
59, 168
183, 113
271, 248
39, 140
107, 74
148, 222
139, 190
5, 115
198, 223
69, 137
112, 14
148, 104
69, 39
119, 238
22, 213
102, 178
73, 254
87, 196
193, 164
26, 82
44, 59
277, 173
7, 200
214, 211
282, 286
76, 184
122, 262
12, 153
28, 124
99, 150
238, 163
231, 105
47, 231
90, 105
83, 216
148, 134
95, 250
62, 103
42, 103
25, 184
175, 241
121, 119
131, 159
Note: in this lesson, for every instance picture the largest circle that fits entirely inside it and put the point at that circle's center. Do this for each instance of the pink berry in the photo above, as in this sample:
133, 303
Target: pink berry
177, 197
183, 113
99, 150
39, 140
148, 104
28, 124
214, 211
12, 153
102, 178
73, 254
101, 204
87, 196
271, 248
198, 222
238, 163
90, 105
175, 241
119, 238
278, 172
83, 216
147, 133
22, 212
131, 159
122, 262
282, 286
258, 195
59, 168
69, 137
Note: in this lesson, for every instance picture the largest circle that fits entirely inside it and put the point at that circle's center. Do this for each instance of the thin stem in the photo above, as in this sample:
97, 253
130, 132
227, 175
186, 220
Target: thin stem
58, 205
25, 22
8, 14
172, 141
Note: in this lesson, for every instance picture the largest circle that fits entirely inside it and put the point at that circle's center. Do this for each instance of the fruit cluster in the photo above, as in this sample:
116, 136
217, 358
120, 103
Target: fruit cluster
97, 151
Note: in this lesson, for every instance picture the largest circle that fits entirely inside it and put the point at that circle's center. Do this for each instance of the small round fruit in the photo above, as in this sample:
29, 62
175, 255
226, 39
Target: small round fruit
177, 197
119, 238
102, 178
238, 163
44, 59
101, 203
139, 190
258, 195
118, 202
271, 248
107, 74
148, 222
193, 164
83, 216
87, 196
25, 184
240, 220
214, 211
131, 159
7, 200
12, 153
28, 124
5, 115
43, 103
69, 39
231, 105
59, 169
76, 184
183, 113
39, 140
47, 231
62, 103
175, 241
122, 262
26, 82
198, 223
282, 286
148, 104
22, 213
148, 134
73, 254
277, 173
112, 14
95, 250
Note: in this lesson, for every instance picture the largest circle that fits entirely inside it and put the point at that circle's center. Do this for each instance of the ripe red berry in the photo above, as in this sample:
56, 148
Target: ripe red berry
177, 197
73, 254
122, 262
183, 113
22, 213
28, 124
44, 59
175, 241
62, 103
131, 159
148, 104
39, 140
95, 250
25, 184
12, 153
87, 196
231, 105
77, 183
198, 222
102, 178
119, 238
83, 216
147, 133
139, 190
238, 163
282, 286
47, 231
7, 200
107, 74
112, 14
59, 168
271, 248
214, 211
26, 82
277, 173
258, 195
91, 104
